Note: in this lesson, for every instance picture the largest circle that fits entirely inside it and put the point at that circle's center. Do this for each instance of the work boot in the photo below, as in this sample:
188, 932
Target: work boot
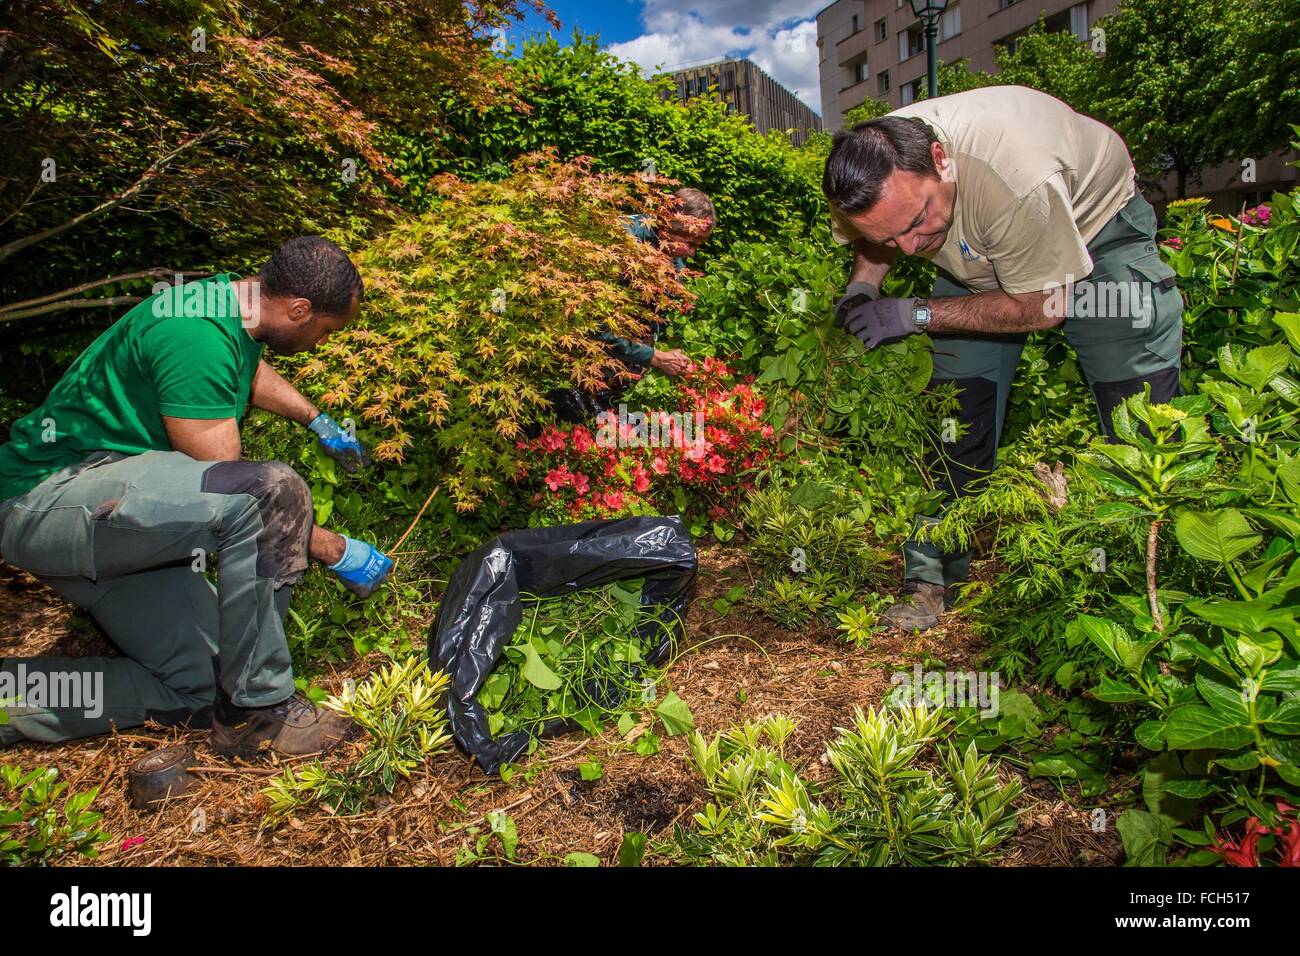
291, 728
921, 613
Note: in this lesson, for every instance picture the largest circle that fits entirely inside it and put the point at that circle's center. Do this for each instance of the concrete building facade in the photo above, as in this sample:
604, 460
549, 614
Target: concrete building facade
876, 49
748, 90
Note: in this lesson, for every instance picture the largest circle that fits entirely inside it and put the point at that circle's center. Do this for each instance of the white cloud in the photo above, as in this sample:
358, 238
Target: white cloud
779, 35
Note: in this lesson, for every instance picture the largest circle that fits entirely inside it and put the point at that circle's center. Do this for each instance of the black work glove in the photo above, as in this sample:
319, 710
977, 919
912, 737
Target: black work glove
856, 294
881, 321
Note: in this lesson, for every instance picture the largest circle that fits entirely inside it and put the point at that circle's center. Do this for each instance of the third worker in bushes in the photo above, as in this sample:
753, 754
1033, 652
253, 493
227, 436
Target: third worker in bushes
679, 236
1032, 215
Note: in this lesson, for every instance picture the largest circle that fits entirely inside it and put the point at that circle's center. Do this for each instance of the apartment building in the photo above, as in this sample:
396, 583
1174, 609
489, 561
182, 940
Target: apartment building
876, 49
746, 89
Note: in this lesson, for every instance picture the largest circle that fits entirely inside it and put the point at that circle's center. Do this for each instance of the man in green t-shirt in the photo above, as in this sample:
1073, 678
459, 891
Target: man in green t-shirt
119, 486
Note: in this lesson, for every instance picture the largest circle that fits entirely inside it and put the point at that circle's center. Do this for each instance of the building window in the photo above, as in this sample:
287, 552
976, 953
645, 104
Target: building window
861, 72
950, 23
908, 91
1079, 21
911, 42
882, 30
882, 81
857, 24
1003, 4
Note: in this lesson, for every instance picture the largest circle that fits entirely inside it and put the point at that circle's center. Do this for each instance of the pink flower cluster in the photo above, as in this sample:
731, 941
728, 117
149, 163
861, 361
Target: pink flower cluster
710, 446
1260, 215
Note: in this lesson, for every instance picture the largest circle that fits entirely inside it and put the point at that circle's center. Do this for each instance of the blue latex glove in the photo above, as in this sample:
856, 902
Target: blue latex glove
338, 444
880, 321
362, 567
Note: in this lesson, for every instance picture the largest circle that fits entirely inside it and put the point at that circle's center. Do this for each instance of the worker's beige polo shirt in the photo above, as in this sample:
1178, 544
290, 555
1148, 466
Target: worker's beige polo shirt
1036, 181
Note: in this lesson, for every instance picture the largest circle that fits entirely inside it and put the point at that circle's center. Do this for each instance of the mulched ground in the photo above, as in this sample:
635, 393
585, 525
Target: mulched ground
736, 668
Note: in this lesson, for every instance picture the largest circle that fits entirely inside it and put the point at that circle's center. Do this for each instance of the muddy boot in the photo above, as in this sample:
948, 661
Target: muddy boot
291, 728
921, 612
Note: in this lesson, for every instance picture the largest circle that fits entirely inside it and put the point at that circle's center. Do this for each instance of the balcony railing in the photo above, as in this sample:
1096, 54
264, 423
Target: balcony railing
851, 96
852, 50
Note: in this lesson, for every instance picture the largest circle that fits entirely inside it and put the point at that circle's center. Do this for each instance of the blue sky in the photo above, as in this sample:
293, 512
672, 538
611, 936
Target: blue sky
779, 35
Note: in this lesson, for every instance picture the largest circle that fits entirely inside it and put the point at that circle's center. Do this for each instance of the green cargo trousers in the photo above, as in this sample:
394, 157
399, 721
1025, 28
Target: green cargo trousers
1125, 322
128, 538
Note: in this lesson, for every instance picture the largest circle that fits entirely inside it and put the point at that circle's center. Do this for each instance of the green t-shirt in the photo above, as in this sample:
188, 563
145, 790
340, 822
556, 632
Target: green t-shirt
183, 353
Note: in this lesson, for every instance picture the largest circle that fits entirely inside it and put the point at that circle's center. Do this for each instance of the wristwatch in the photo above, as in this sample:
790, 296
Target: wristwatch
921, 314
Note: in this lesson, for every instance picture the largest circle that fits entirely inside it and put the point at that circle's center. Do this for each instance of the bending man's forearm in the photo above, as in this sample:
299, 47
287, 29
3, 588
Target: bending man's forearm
991, 313
871, 263
272, 392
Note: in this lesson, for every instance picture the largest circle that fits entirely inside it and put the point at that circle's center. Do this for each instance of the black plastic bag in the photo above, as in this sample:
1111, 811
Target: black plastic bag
482, 606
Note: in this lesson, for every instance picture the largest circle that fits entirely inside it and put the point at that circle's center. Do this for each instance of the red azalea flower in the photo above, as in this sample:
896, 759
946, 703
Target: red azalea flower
581, 483
582, 440
552, 439
130, 843
613, 500
1244, 853
659, 465
1289, 839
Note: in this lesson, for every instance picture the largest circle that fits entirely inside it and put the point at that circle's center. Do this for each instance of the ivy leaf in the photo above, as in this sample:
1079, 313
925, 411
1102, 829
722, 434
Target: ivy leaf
582, 859
632, 850
676, 716
536, 672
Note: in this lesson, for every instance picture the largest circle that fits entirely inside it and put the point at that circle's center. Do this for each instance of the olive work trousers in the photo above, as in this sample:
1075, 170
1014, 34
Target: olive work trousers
128, 539
1125, 323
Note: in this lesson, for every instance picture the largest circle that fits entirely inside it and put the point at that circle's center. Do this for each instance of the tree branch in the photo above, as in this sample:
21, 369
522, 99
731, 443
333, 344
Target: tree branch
106, 302
130, 192
28, 307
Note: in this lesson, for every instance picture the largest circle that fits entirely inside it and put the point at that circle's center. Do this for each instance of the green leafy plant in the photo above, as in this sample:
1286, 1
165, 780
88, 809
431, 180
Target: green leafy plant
34, 829
399, 709
897, 797
814, 549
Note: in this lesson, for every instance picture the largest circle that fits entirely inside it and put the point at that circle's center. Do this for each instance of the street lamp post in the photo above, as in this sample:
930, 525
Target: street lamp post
929, 12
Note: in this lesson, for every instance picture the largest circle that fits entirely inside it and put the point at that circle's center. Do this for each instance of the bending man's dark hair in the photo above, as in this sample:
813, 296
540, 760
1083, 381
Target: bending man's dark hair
315, 269
863, 157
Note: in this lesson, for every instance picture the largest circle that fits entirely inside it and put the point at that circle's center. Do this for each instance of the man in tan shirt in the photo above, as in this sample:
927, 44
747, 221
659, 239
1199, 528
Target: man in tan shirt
1031, 214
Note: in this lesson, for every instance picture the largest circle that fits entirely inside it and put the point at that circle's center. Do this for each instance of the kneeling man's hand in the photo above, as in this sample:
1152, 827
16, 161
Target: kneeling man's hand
340, 444
362, 568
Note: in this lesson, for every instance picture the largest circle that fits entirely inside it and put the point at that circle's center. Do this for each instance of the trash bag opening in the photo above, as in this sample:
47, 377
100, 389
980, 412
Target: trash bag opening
485, 601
